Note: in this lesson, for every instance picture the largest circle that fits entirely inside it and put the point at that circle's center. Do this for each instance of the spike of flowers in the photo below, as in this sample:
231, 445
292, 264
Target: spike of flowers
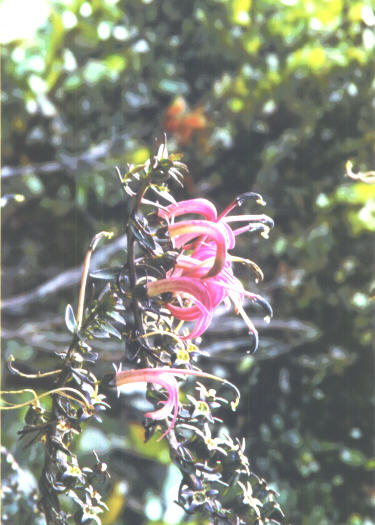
203, 270
166, 378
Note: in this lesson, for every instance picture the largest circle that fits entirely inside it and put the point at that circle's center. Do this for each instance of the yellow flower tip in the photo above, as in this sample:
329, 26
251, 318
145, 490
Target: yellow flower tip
202, 407
348, 166
191, 347
267, 319
19, 198
234, 404
261, 201
97, 238
183, 356
265, 233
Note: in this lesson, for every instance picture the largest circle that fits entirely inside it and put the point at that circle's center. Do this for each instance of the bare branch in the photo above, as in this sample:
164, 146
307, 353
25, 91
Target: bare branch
69, 162
64, 280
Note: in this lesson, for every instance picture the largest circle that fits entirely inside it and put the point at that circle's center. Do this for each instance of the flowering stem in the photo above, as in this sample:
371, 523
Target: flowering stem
131, 257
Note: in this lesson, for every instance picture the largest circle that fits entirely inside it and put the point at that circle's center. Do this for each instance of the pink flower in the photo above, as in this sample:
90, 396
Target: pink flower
186, 288
203, 270
217, 234
205, 207
165, 377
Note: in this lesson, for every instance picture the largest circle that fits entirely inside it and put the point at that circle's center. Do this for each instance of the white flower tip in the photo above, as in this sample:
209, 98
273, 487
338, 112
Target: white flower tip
117, 368
162, 151
348, 166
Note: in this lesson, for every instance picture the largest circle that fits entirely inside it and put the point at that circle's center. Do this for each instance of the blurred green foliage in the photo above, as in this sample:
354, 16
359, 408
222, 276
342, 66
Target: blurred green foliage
286, 94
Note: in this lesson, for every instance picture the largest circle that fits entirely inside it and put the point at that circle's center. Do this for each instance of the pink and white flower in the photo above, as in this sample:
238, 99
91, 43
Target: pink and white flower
186, 288
203, 272
166, 378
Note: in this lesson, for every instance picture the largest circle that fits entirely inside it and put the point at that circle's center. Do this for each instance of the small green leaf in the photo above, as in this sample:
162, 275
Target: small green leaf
111, 329
162, 192
99, 333
117, 317
70, 319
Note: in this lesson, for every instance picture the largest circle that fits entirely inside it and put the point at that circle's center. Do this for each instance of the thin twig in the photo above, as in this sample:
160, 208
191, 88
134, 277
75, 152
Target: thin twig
85, 273
368, 177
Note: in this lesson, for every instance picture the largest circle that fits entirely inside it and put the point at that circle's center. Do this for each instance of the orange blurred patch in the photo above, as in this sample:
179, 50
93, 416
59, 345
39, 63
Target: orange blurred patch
182, 122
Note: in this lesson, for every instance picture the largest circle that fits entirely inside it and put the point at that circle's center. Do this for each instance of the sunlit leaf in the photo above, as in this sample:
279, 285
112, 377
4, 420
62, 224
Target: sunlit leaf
241, 11
70, 319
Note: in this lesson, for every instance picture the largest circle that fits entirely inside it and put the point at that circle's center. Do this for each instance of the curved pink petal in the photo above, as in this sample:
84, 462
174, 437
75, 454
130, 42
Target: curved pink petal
192, 313
190, 266
157, 377
203, 259
197, 206
165, 377
196, 290
184, 231
171, 405
187, 285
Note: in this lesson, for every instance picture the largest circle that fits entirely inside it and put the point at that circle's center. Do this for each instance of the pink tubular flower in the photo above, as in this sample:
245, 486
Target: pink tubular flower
183, 232
192, 289
165, 377
203, 269
205, 207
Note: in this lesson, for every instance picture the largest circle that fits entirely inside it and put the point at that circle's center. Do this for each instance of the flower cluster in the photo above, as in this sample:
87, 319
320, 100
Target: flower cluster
177, 267
203, 275
164, 377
